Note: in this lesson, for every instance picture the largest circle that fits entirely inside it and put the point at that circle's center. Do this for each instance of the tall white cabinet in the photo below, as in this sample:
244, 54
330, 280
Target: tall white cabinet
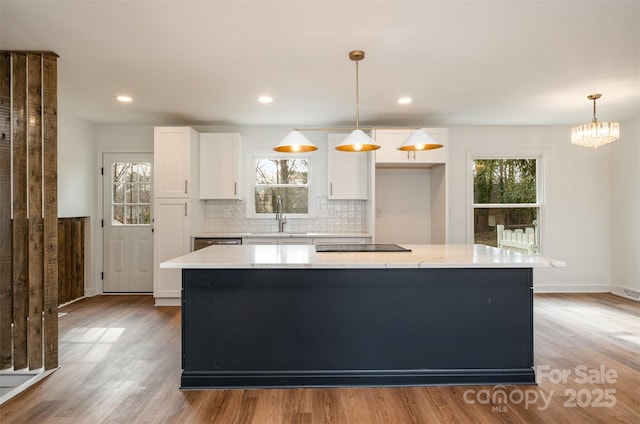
177, 209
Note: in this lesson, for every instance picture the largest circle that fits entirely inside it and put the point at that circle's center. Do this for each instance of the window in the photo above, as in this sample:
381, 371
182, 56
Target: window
507, 203
287, 178
131, 193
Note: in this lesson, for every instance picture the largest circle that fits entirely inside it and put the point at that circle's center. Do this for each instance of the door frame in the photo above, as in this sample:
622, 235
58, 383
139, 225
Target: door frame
100, 224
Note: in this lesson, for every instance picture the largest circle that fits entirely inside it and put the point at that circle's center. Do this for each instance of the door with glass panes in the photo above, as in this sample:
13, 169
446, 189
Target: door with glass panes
127, 229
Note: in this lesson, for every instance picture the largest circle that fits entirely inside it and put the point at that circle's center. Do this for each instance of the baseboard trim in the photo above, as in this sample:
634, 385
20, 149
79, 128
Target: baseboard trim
626, 293
197, 380
595, 288
38, 375
167, 301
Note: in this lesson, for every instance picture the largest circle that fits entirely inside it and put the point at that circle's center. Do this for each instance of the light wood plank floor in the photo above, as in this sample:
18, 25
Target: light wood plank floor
120, 359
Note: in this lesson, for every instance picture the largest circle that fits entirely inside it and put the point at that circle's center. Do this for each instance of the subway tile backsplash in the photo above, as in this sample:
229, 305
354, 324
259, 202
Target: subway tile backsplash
332, 216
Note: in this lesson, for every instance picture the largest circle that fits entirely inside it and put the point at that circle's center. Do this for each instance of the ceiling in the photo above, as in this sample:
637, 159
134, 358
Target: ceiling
463, 62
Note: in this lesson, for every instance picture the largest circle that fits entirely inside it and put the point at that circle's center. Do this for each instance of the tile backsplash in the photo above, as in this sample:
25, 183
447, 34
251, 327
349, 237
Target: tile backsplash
332, 216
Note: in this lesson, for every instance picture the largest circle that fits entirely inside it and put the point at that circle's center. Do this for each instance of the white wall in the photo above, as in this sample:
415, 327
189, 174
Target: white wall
110, 139
403, 206
76, 169
575, 218
76, 180
625, 210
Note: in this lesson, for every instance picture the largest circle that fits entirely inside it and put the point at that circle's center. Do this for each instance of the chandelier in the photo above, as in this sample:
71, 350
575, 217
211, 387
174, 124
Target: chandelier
595, 133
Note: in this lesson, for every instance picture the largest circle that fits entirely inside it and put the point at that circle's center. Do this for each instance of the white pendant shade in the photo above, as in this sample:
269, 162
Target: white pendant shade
295, 142
357, 141
420, 140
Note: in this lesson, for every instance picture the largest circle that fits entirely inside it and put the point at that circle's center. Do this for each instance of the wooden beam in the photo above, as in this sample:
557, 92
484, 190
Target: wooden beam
6, 292
50, 209
20, 240
36, 224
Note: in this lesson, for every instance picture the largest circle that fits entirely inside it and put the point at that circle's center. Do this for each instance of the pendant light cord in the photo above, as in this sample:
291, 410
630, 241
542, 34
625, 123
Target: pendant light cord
594, 111
358, 99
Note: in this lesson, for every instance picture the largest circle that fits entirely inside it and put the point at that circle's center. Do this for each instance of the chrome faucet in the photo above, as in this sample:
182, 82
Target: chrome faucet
279, 217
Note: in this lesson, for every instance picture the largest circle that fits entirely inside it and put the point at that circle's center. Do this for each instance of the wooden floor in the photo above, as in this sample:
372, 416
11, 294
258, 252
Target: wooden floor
120, 363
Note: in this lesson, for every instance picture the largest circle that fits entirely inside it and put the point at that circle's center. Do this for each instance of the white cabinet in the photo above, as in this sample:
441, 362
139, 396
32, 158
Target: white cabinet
176, 206
174, 170
171, 239
220, 170
348, 172
390, 140
254, 241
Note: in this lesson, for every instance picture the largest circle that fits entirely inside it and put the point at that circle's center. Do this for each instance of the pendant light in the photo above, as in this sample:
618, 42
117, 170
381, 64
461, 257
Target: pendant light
358, 140
295, 142
420, 140
595, 134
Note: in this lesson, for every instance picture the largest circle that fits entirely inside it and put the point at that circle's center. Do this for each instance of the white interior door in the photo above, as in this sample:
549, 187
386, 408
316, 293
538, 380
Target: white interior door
127, 231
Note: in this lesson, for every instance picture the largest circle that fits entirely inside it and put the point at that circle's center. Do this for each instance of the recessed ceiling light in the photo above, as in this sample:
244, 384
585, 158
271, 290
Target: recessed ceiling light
405, 100
124, 99
265, 99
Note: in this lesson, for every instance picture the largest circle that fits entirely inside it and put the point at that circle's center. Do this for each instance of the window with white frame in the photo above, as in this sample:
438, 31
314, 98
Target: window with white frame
131, 193
287, 178
507, 201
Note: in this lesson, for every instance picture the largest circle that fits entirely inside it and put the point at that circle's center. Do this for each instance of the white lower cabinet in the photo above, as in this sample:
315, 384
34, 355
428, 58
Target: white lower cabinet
171, 239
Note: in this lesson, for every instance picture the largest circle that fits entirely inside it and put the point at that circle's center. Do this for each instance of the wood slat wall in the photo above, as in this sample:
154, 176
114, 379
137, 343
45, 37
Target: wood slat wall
6, 298
71, 249
28, 221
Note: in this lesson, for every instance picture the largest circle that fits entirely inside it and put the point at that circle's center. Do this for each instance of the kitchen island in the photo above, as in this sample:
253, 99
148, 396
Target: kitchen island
288, 316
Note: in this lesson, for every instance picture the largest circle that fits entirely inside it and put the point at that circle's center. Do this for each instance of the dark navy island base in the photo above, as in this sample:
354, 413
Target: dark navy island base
356, 327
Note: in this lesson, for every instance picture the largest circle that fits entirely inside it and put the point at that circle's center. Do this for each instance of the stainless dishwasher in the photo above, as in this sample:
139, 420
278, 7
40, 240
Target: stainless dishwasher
202, 242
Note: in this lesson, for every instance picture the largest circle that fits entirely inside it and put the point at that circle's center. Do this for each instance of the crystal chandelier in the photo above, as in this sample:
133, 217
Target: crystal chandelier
595, 134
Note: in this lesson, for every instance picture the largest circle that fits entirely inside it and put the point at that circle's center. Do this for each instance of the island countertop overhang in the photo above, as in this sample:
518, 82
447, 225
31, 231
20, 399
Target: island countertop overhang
305, 256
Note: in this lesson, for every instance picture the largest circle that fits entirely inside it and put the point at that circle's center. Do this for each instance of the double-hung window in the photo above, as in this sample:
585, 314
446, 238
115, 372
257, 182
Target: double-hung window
285, 178
507, 202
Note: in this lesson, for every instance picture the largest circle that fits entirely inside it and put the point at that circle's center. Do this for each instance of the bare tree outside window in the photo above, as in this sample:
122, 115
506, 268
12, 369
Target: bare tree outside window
288, 178
131, 193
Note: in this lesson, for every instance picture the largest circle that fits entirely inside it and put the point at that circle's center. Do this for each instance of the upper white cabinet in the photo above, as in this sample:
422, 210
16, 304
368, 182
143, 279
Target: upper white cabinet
348, 172
390, 140
174, 153
220, 171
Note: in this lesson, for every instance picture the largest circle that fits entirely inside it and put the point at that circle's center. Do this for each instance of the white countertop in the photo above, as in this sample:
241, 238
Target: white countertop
305, 256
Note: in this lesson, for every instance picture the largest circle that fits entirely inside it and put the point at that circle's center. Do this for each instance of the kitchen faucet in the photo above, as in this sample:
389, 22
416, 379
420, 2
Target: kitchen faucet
279, 217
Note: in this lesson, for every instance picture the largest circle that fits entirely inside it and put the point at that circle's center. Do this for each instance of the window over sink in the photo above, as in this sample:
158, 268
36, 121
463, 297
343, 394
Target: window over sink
287, 178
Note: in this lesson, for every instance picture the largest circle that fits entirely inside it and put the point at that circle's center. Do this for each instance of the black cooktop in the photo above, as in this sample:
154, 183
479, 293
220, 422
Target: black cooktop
360, 248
